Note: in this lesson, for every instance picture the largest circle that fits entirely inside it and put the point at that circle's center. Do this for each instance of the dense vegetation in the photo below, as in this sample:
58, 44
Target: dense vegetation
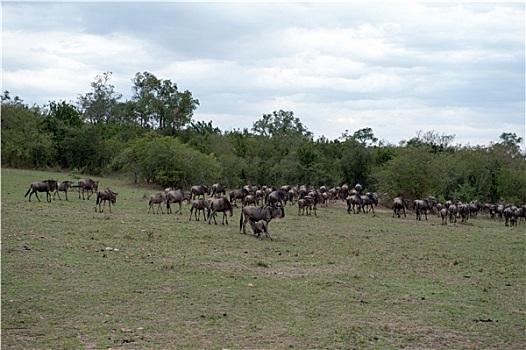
153, 138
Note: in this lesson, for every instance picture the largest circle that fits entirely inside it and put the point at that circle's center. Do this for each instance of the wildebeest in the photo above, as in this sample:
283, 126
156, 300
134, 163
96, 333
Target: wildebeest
276, 197
240, 193
423, 206
158, 199
266, 213
103, 196
259, 227
42, 186
305, 205
175, 196
511, 214
219, 205
198, 191
218, 190
369, 199
354, 200
444, 215
250, 199
199, 205
87, 185
399, 204
63, 186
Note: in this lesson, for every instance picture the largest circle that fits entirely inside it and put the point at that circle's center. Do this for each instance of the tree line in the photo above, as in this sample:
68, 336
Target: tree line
153, 138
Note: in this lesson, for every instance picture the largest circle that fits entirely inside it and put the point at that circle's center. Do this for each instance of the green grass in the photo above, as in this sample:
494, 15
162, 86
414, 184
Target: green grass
336, 281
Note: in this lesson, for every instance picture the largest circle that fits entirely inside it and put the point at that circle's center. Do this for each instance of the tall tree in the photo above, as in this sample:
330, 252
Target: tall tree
98, 106
159, 104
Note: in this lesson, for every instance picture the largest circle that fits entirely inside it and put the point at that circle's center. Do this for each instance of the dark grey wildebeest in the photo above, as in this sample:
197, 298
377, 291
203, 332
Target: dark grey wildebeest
239, 193
219, 205
87, 185
354, 202
424, 206
158, 199
259, 227
63, 186
370, 199
103, 196
399, 205
217, 190
276, 197
47, 186
198, 206
199, 191
266, 213
175, 196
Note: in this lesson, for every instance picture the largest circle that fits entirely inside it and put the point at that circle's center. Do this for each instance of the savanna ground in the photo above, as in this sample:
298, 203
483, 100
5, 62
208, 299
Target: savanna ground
335, 281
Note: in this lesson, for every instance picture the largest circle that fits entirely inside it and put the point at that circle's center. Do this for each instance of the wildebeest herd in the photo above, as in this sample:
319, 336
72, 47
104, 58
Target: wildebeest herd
261, 204
88, 186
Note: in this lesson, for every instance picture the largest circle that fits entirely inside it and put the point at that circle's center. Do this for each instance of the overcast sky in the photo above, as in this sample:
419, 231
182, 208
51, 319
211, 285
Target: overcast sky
398, 68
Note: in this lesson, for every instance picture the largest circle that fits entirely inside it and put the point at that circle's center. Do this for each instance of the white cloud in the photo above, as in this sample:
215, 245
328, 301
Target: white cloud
398, 68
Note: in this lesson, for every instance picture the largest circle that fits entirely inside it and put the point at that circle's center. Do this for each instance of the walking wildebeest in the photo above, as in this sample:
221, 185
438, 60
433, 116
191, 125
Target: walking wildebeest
175, 196
158, 199
199, 205
369, 199
87, 185
240, 193
266, 213
198, 191
64, 187
219, 205
217, 190
277, 197
423, 206
259, 227
399, 204
103, 196
354, 200
42, 186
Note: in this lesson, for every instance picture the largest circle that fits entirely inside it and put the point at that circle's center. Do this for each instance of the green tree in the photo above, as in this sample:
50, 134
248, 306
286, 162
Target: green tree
25, 142
99, 106
159, 104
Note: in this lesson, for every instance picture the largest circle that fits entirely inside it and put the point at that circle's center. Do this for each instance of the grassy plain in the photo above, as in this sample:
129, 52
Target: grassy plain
335, 281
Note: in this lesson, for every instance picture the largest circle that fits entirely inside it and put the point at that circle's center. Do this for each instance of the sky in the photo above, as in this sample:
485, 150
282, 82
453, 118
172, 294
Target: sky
399, 68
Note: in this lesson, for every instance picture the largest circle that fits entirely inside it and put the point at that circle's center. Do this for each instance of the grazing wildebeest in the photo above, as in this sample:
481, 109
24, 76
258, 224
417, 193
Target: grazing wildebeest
354, 200
399, 204
103, 196
42, 186
218, 190
175, 196
198, 191
218, 205
259, 227
64, 187
199, 205
87, 185
369, 199
276, 197
158, 199
266, 213
423, 206
240, 193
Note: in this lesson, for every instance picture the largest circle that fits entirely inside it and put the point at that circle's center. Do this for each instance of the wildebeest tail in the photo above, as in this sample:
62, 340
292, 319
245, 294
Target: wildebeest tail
97, 201
28, 191
241, 221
